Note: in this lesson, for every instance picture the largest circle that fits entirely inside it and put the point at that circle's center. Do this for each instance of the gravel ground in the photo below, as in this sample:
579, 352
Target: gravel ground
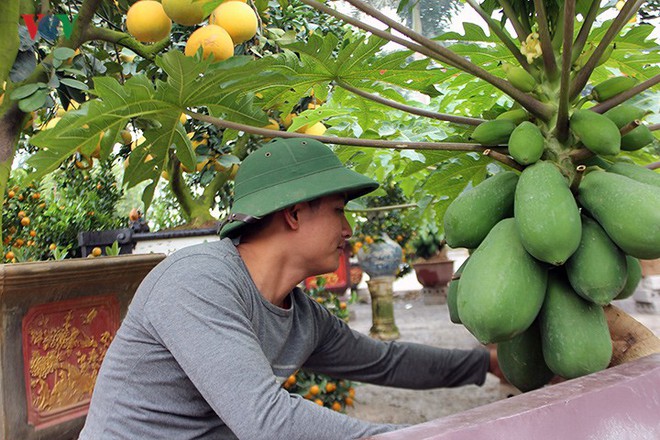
430, 324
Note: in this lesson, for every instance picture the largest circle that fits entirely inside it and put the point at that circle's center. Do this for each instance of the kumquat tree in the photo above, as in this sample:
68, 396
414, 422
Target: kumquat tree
531, 140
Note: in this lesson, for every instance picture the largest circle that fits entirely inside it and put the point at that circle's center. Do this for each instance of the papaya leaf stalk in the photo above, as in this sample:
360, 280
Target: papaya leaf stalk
549, 61
357, 142
621, 97
510, 14
583, 34
497, 30
440, 53
628, 10
564, 88
408, 108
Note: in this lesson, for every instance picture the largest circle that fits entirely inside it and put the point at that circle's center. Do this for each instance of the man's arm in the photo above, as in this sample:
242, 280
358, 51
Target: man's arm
346, 353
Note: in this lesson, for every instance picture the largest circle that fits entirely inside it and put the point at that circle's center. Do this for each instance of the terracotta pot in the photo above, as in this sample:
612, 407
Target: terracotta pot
434, 274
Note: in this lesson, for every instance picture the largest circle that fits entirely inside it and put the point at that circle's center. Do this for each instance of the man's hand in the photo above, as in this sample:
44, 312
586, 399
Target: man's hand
494, 366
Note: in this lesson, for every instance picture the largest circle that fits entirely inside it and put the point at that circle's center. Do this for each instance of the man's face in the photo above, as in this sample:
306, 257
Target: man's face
324, 229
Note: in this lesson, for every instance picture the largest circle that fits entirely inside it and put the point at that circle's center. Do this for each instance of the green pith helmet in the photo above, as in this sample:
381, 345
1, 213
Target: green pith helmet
285, 172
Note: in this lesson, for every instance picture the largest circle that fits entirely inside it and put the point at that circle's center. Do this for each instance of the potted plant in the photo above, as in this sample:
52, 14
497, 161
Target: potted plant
432, 266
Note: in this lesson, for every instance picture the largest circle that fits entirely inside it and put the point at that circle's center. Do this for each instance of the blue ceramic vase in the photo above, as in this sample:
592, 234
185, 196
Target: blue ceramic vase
381, 258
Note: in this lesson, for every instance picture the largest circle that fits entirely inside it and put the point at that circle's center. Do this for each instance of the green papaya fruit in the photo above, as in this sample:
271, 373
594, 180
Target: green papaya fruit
574, 333
597, 269
519, 77
637, 138
612, 87
470, 217
502, 286
628, 210
452, 294
526, 143
521, 360
517, 115
546, 214
624, 114
494, 132
597, 132
634, 276
636, 172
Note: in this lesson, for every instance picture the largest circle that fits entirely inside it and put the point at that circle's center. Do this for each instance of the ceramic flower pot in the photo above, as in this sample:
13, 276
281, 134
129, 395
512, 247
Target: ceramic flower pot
381, 260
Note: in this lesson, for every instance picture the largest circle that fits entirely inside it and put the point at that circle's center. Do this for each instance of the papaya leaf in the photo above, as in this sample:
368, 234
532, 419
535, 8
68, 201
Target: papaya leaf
148, 194
310, 117
453, 177
82, 129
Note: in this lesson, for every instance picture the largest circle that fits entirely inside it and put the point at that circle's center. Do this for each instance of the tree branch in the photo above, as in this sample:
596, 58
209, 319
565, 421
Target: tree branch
123, 39
583, 34
510, 14
370, 143
653, 166
629, 8
179, 188
621, 97
497, 30
385, 208
566, 62
436, 51
220, 178
546, 42
408, 108
654, 127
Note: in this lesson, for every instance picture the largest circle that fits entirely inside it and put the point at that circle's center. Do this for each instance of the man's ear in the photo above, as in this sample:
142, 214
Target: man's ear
291, 216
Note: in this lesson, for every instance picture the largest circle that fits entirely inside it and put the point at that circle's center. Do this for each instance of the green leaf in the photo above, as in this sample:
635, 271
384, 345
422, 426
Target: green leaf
34, 101
148, 194
81, 130
74, 83
25, 91
63, 53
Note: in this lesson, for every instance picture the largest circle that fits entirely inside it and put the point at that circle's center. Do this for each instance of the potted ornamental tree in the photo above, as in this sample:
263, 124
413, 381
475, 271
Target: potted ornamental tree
432, 266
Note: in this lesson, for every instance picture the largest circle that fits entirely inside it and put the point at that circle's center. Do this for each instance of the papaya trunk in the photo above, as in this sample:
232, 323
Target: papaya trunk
630, 339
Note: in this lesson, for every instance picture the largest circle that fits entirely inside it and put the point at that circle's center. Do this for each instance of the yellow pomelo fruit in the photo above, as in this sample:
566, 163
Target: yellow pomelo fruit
288, 119
272, 123
237, 18
52, 123
316, 130
147, 22
185, 12
213, 39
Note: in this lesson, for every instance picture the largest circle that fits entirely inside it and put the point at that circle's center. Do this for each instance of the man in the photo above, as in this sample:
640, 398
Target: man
215, 329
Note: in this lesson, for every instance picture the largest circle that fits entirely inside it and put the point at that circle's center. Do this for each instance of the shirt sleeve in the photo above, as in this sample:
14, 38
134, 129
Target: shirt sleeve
343, 352
205, 325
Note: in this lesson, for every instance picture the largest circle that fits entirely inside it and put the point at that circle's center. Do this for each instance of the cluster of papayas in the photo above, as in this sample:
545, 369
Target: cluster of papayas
546, 259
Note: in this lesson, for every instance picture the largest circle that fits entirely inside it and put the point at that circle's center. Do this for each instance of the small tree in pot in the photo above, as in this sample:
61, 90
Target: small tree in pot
432, 267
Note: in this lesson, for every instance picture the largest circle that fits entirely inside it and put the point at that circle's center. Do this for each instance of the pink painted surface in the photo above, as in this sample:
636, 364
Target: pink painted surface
620, 403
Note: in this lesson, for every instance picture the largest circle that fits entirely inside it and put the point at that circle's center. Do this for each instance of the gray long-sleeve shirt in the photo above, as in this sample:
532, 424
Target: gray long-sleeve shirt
202, 355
